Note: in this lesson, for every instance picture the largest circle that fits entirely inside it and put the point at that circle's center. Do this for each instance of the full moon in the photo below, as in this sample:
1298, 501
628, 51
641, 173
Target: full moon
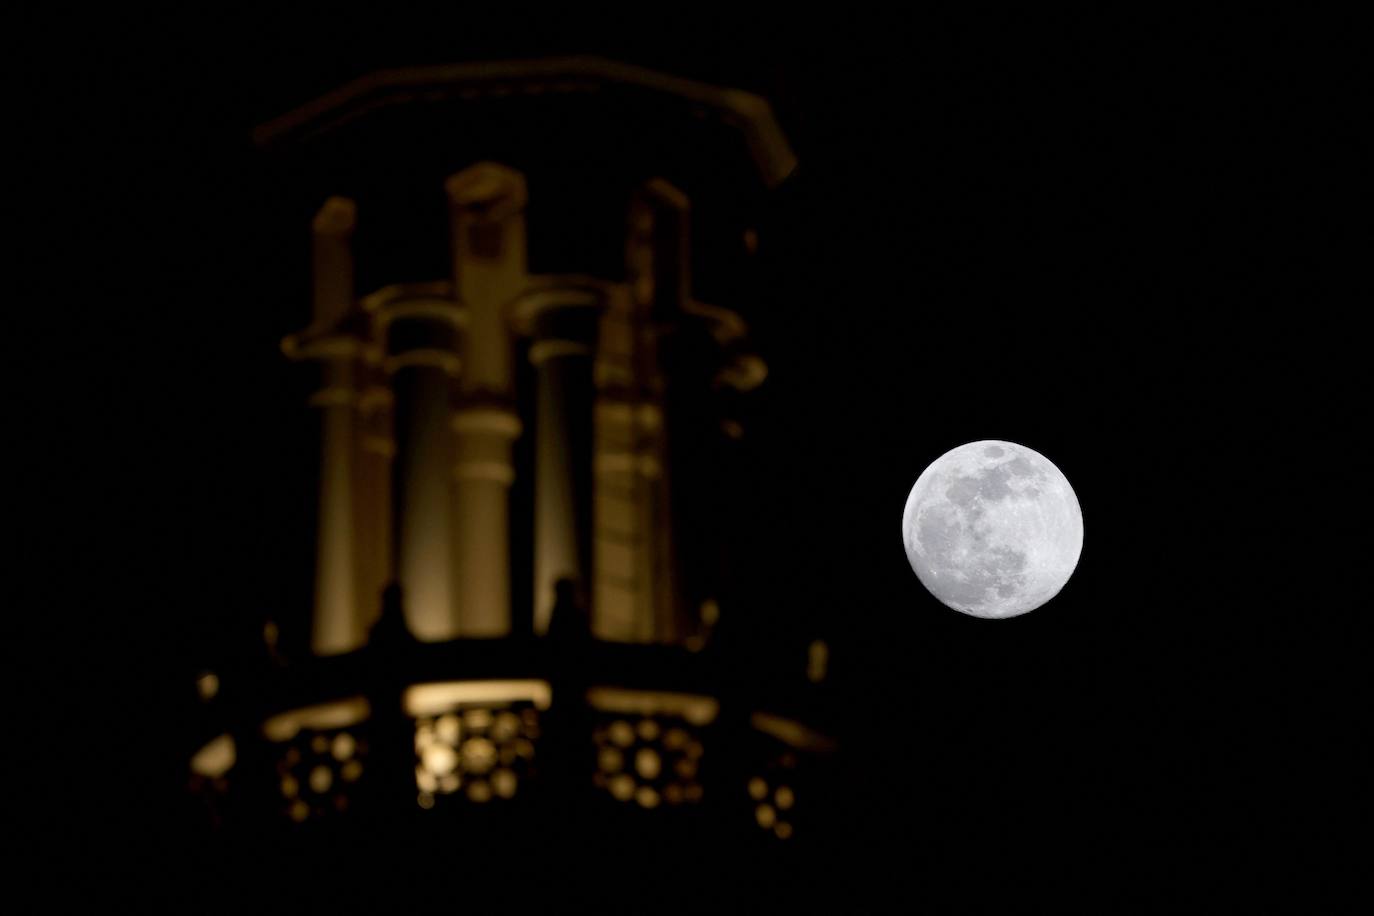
993, 529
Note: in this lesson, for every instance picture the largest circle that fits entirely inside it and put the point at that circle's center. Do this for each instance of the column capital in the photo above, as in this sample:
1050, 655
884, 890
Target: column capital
490, 191
433, 301
486, 418
424, 356
542, 351
547, 294
325, 344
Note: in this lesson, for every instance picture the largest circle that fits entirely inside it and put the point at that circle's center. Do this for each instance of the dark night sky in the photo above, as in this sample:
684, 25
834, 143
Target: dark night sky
1057, 236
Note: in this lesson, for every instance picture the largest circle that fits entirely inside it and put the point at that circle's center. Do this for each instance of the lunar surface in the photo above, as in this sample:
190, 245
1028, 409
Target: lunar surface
993, 529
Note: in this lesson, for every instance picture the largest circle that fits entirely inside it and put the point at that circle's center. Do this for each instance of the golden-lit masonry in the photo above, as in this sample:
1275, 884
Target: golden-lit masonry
698, 710
417, 399
434, 698
338, 714
419, 419
527, 455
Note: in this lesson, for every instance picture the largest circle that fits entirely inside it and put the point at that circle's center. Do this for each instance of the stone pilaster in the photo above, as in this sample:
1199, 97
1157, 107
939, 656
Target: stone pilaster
338, 341
486, 205
560, 316
421, 327
634, 578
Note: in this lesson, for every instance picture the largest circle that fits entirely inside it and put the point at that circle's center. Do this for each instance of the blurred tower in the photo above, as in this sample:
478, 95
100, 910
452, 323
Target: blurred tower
508, 438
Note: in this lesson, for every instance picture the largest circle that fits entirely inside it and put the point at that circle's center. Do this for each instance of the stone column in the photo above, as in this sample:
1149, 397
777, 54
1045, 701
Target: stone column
560, 315
421, 327
336, 595
486, 204
334, 340
374, 494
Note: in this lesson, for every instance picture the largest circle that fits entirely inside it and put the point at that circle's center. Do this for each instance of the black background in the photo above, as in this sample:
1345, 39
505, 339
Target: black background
1056, 233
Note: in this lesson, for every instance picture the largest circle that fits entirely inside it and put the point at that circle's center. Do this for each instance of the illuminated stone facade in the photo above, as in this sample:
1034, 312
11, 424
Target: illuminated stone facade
453, 691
